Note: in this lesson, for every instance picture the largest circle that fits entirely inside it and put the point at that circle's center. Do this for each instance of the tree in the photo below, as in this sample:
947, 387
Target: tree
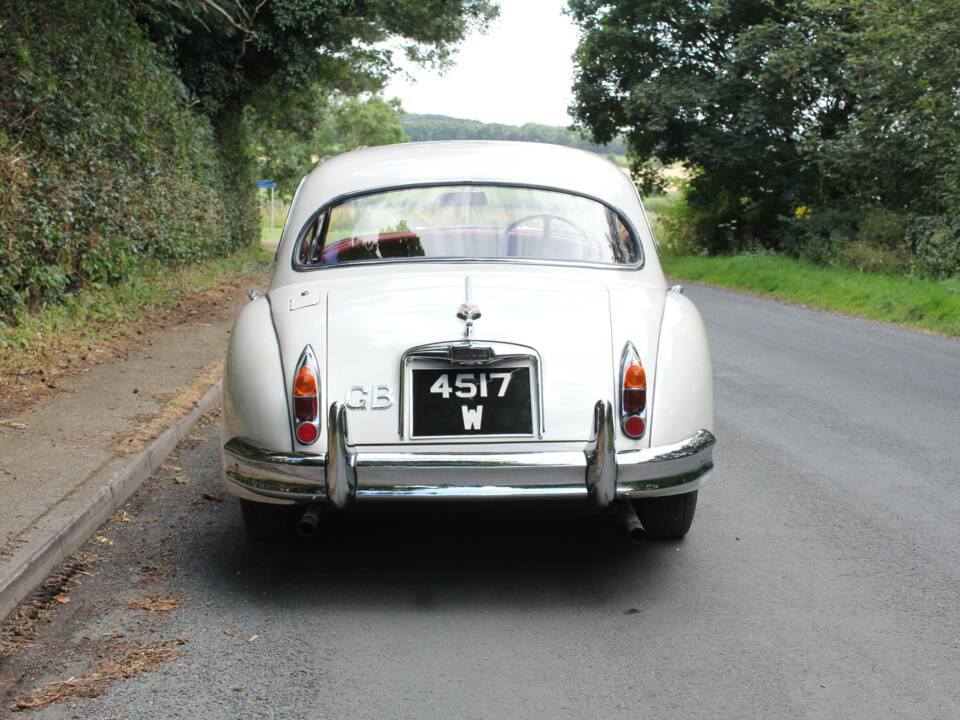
899, 148
734, 89
233, 55
338, 123
230, 52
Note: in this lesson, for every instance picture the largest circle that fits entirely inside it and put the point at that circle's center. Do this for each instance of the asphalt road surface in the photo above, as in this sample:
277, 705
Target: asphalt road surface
821, 577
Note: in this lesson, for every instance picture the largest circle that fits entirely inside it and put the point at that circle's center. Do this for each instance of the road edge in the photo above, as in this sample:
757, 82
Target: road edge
72, 521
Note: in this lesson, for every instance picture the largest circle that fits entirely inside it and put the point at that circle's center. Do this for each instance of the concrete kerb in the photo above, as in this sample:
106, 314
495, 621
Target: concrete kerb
69, 523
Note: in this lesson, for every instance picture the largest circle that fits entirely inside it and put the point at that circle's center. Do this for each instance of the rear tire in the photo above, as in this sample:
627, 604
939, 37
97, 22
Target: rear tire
264, 521
669, 517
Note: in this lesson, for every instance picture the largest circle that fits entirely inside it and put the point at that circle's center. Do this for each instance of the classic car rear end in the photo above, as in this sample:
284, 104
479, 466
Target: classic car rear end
465, 321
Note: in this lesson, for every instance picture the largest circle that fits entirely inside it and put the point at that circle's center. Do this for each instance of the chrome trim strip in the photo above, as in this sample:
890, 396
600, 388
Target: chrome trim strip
608, 475
477, 492
477, 461
287, 475
666, 466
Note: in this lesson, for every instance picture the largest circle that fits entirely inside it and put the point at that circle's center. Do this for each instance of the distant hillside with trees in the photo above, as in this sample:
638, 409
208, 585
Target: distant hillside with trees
442, 127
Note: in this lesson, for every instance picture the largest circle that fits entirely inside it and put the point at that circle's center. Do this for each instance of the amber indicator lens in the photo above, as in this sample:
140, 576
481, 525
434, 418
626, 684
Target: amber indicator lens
305, 384
635, 378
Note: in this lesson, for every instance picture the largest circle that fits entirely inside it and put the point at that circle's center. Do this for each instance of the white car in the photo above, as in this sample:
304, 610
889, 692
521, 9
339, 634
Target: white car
465, 321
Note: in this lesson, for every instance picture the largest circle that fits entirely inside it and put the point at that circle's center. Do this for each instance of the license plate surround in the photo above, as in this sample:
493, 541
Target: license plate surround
440, 356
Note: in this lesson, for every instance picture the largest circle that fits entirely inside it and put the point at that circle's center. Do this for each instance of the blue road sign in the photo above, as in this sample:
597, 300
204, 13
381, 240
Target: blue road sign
266, 183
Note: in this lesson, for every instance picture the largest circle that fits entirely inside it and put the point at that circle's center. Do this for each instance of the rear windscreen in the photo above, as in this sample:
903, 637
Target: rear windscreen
467, 221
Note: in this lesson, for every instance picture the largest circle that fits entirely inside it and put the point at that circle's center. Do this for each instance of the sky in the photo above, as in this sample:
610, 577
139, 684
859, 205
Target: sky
519, 71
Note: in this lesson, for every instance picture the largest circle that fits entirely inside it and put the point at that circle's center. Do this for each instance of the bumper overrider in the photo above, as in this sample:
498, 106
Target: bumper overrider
345, 473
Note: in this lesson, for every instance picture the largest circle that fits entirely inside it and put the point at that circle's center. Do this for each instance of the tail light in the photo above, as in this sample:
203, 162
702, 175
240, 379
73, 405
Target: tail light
633, 393
306, 398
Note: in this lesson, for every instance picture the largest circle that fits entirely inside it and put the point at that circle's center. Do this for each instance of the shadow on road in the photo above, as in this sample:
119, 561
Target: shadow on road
419, 556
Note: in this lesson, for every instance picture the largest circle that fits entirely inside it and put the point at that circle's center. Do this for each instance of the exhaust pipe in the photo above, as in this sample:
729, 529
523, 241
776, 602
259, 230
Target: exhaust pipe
307, 527
631, 523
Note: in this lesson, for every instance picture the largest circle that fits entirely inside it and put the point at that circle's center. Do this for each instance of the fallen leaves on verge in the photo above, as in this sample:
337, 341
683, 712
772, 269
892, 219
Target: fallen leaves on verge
181, 480
212, 496
14, 425
131, 660
154, 572
124, 517
18, 631
154, 604
239, 688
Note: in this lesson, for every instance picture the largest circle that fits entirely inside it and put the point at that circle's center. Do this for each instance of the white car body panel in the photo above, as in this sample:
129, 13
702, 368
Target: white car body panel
360, 318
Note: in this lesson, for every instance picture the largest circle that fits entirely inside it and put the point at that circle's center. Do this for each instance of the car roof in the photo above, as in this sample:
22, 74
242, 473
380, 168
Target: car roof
520, 163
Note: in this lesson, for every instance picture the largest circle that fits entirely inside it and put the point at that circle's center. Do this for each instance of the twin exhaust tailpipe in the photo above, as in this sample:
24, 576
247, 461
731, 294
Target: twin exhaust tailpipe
307, 527
631, 523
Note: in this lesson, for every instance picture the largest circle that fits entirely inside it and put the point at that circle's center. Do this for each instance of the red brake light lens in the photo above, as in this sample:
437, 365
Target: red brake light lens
634, 426
306, 408
307, 433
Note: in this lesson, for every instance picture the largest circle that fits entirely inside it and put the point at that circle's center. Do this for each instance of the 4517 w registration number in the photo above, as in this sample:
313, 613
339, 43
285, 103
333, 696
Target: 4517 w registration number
469, 385
463, 402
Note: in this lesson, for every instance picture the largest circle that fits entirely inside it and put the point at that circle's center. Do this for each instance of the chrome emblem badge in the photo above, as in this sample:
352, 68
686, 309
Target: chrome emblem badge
468, 310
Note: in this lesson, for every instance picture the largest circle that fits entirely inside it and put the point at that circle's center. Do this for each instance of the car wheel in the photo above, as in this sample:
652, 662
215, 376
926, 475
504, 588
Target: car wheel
667, 517
268, 522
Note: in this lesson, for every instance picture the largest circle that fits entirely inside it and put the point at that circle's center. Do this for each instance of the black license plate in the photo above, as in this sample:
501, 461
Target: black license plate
493, 401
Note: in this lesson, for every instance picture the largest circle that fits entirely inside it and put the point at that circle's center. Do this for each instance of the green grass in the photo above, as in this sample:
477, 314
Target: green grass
927, 304
270, 237
93, 316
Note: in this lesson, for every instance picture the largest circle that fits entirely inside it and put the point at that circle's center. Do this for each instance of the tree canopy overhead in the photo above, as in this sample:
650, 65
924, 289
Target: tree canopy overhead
229, 52
783, 110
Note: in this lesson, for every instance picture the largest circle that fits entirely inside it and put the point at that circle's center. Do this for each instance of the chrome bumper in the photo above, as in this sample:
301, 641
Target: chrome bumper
345, 473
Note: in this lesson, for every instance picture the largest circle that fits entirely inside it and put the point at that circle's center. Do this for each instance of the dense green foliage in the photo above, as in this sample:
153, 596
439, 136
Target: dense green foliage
441, 127
102, 166
286, 151
127, 127
248, 51
823, 128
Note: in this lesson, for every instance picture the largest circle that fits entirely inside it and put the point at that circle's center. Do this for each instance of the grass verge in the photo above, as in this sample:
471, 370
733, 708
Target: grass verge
57, 339
926, 304
92, 314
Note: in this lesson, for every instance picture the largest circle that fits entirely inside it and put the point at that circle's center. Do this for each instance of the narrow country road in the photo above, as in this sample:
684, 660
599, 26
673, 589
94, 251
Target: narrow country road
821, 578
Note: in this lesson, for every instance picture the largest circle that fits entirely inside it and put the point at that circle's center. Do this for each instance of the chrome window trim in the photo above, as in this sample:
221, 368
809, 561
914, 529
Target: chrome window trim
639, 264
286, 221
501, 354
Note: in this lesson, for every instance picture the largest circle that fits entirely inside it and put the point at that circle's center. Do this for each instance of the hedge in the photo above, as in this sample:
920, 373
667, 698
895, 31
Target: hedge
104, 160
